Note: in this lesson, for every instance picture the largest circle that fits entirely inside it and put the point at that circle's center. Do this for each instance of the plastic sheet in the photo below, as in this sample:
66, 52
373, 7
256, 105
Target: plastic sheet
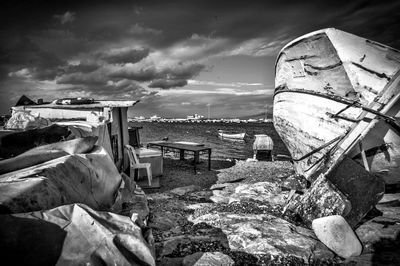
25, 120
90, 178
72, 235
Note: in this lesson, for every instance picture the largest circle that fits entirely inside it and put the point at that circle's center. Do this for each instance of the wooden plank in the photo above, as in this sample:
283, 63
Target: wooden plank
364, 157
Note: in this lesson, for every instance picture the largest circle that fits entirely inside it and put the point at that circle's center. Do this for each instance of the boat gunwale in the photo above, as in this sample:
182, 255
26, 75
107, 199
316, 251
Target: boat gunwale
327, 32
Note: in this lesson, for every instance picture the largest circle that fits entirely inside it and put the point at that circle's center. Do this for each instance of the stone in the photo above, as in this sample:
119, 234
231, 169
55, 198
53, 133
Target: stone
183, 245
198, 206
207, 259
337, 235
321, 200
166, 261
220, 196
380, 229
200, 195
266, 235
164, 221
180, 191
362, 189
390, 198
295, 182
263, 192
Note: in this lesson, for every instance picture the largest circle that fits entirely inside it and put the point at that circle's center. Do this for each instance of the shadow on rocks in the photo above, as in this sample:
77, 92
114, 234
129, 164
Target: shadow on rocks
386, 252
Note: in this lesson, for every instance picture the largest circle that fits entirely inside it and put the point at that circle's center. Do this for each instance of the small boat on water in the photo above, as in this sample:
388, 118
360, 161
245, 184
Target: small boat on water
231, 134
337, 96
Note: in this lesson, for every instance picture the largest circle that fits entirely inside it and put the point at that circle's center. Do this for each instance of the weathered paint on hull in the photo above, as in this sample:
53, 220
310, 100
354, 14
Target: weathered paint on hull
322, 81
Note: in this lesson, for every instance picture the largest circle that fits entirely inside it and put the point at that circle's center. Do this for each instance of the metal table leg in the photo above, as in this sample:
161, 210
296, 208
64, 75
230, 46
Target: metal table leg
209, 160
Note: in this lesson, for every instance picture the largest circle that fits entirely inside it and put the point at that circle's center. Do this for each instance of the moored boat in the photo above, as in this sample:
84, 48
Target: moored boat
231, 134
336, 96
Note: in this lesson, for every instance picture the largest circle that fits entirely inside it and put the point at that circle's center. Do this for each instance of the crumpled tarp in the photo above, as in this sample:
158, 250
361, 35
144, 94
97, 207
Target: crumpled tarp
91, 179
13, 143
24, 119
81, 129
72, 235
46, 153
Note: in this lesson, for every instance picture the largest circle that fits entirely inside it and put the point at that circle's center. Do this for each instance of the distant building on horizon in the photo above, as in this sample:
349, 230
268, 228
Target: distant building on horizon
195, 117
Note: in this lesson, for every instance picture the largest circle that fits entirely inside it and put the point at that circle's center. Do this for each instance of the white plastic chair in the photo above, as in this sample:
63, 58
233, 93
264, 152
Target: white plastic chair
135, 164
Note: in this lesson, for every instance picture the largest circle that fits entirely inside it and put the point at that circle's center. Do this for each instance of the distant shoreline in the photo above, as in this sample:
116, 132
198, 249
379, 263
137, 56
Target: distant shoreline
182, 120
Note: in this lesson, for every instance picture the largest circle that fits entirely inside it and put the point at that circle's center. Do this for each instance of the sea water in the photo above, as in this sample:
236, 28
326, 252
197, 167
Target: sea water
207, 134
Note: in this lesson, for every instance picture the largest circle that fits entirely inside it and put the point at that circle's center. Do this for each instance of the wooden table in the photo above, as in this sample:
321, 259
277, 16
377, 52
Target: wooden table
197, 150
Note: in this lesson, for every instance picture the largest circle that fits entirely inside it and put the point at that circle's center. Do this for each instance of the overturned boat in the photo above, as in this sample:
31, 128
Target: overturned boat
224, 134
336, 97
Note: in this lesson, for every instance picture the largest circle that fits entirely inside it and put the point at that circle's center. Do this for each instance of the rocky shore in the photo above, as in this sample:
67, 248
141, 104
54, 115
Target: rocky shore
242, 213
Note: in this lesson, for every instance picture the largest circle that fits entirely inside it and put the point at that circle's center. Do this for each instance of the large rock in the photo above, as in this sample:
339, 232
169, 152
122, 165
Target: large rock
295, 182
337, 235
263, 192
267, 235
382, 229
164, 221
322, 199
381, 239
207, 259
222, 192
72, 235
183, 245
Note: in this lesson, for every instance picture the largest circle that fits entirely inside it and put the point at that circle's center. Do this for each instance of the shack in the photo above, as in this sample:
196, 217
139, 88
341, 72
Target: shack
106, 119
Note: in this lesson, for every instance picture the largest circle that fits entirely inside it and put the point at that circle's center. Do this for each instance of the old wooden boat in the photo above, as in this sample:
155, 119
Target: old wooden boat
231, 134
337, 96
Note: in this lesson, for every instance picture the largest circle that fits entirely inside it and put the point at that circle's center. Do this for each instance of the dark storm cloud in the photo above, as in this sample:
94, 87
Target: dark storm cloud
102, 20
88, 44
375, 20
67, 17
83, 67
168, 83
23, 52
162, 77
182, 71
134, 73
120, 56
92, 78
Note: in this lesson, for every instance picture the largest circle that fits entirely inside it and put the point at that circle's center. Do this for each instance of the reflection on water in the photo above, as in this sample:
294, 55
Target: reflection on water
207, 133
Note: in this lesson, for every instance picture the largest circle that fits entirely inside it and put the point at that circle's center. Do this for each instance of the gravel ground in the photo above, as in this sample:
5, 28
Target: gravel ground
180, 173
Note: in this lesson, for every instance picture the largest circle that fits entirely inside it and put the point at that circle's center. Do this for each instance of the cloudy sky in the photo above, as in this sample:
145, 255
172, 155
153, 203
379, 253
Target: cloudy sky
177, 57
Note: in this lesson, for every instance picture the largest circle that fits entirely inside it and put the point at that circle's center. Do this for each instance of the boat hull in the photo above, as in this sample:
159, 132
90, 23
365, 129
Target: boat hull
326, 85
238, 136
